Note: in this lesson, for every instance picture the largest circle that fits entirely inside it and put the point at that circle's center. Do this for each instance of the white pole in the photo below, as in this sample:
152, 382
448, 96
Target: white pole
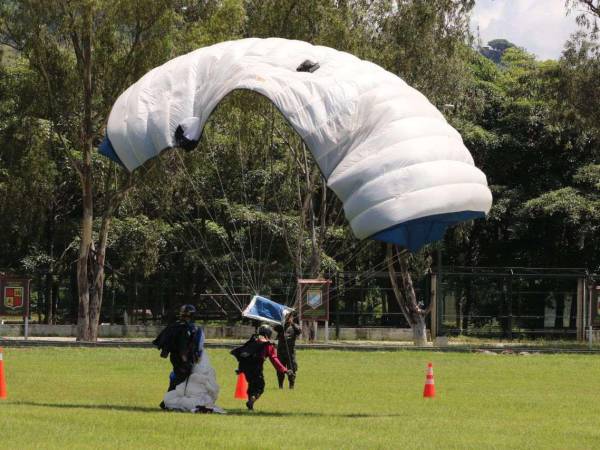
590, 326
326, 331
316, 326
26, 328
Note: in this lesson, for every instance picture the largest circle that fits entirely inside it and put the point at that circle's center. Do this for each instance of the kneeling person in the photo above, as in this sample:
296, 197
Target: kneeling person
183, 343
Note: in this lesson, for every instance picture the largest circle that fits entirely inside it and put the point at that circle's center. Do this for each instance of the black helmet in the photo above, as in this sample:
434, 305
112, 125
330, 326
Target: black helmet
187, 311
265, 330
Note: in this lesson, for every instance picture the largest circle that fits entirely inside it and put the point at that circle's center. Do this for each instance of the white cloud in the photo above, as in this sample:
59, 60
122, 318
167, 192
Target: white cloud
540, 26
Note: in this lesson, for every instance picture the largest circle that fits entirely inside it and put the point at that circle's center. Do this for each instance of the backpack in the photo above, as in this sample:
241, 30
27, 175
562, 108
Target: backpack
165, 341
251, 351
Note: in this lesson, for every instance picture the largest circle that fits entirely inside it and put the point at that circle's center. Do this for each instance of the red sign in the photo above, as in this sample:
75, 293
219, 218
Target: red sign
14, 296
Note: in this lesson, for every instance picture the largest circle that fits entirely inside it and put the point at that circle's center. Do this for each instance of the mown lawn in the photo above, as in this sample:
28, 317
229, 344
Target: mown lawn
107, 398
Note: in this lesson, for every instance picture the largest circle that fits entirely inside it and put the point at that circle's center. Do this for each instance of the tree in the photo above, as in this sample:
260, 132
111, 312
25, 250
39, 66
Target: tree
413, 310
589, 16
84, 53
496, 49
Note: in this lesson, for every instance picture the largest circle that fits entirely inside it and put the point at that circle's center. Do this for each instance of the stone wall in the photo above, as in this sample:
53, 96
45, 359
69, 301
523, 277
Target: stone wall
371, 334
211, 331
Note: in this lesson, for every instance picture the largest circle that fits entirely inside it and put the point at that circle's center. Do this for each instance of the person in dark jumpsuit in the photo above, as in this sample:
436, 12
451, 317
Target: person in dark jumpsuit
186, 347
261, 348
286, 349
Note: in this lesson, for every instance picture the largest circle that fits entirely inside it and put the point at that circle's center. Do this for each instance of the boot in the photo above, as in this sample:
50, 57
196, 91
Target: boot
292, 380
280, 379
251, 401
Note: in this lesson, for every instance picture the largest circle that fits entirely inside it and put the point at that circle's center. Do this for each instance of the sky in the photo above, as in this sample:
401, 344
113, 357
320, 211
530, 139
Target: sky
540, 26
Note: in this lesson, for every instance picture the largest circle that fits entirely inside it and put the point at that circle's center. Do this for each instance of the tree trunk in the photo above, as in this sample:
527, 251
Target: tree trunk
406, 297
392, 316
83, 285
55, 298
48, 317
48, 299
90, 265
419, 329
73, 295
83, 50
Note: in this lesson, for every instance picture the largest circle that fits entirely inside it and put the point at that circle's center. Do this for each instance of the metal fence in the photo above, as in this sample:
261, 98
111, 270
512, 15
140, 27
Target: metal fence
488, 302
509, 302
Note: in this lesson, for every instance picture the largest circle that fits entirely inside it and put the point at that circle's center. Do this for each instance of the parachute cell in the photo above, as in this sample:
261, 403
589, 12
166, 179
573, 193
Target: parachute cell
401, 171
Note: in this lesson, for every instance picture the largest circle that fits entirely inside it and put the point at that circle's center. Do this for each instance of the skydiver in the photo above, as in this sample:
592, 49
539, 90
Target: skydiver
184, 342
286, 349
251, 357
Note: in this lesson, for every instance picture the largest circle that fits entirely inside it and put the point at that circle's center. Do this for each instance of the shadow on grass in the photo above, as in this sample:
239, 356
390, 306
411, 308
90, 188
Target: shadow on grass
231, 412
88, 406
255, 413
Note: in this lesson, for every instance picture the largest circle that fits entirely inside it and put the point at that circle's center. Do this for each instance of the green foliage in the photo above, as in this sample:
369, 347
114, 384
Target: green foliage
567, 203
500, 44
136, 244
233, 211
589, 177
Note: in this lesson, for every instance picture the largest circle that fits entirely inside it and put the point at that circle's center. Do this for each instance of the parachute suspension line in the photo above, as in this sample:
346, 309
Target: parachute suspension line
311, 209
245, 272
354, 253
207, 209
244, 266
271, 118
366, 276
275, 130
302, 162
335, 223
261, 214
269, 162
199, 232
245, 199
288, 288
208, 269
192, 249
233, 300
202, 259
286, 241
323, 217
303, 166
369, 275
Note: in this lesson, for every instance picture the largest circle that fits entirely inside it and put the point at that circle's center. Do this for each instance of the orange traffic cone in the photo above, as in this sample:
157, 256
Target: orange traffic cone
2, 381
241, 387
429, 391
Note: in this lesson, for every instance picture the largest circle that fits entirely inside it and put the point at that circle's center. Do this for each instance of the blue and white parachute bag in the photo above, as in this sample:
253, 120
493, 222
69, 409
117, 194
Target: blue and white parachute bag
265, 310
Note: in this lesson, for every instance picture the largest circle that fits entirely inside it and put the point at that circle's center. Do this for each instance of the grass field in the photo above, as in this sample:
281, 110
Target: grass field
107, 398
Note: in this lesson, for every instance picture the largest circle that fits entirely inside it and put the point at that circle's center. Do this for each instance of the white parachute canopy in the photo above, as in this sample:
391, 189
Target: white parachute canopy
401, 171
200, 390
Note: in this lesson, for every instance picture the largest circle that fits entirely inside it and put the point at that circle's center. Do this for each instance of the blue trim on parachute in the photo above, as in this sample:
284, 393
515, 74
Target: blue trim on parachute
106, 149
414, 234
266, 310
